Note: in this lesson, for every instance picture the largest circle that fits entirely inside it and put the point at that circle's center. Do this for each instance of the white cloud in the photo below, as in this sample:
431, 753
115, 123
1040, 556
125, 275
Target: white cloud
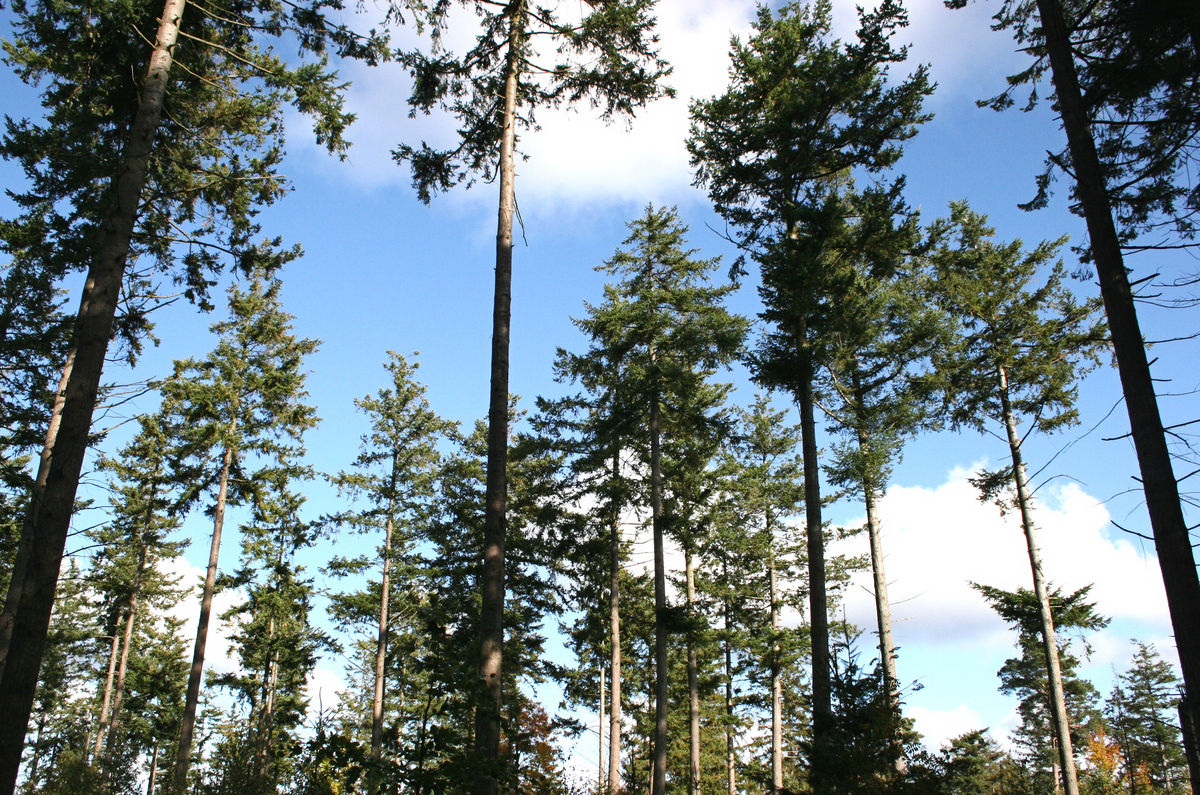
938, 727
218, 650
939, 540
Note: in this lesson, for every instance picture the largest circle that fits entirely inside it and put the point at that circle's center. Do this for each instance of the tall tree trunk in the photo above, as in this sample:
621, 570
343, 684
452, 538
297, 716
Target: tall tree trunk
658, 784
381, 642
114, 653
1058, 702
693, 676
1171, 540
20, 567
730, 744
776, 678
192, 699
491, 622
266, 720
600, 777
822, 705
51, 515
614, 634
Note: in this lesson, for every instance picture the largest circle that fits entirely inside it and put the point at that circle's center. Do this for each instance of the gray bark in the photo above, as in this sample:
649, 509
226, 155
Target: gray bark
693, 676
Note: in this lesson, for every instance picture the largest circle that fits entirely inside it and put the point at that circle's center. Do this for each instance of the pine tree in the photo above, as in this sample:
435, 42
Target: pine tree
801, 112
1016, 356
240, 418
123, 171
126, 575
608, 57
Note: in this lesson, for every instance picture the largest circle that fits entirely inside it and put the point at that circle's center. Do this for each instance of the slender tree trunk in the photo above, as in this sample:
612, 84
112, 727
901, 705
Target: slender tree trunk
1058, 702
822, 705
266, 722
658, 785
600, 777
614, 633
106, 702
153, 779
16, 579
1171, 540
122, 669
381, 643
730, 744
191, 701
776, 678
491, 623
693, 676
68, 440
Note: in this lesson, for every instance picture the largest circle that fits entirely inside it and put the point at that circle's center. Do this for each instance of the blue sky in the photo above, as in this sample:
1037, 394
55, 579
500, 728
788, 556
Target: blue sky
382, 271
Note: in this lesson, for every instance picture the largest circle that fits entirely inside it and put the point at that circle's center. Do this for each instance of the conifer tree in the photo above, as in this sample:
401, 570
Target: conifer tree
765, 488
1016, 357
240, 417
123, 171
1126, 91
393, 478
126, 572
774, 151
606, 56
668, 332
1141, 715
1028, 678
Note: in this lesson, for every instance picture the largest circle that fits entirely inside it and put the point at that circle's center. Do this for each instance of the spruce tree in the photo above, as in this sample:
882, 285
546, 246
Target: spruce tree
494, 90
1141, 715
240, 417
803, 110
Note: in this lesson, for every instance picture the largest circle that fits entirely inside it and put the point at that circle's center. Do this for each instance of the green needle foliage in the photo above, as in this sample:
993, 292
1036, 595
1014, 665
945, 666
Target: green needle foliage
805, 113
1142, 715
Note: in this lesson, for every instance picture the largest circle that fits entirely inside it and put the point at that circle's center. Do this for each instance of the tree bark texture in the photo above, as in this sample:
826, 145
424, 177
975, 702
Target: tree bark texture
491, 622
187, 724
54, 501
1058, 701
1171, 540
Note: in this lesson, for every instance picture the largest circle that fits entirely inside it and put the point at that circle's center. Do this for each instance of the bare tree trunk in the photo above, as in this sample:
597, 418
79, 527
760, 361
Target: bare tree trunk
693, 675
50, 516
153, 770
191, 701
614, 633
776, 678
658, 784
491, 623
381, 643
822, 705
1171, 539
1058, 702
